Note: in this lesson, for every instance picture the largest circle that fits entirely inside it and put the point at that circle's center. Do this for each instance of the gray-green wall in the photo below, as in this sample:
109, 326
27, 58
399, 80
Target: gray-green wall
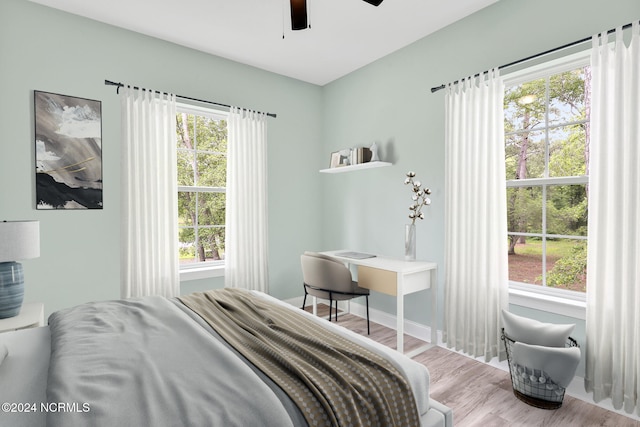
388, 101
45, 49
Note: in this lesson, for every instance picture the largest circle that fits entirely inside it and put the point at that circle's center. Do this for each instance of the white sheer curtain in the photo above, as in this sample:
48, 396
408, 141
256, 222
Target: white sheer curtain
149, 227
246, 249
476, 276
613, 272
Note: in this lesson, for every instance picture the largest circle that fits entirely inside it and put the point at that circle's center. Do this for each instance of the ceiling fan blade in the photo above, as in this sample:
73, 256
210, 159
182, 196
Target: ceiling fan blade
299, 14
374, 2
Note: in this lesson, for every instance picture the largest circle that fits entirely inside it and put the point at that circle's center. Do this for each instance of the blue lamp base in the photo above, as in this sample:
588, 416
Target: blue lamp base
11, 289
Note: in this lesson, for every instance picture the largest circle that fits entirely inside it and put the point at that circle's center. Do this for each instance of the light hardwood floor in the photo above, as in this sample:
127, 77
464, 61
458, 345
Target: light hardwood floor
481, 395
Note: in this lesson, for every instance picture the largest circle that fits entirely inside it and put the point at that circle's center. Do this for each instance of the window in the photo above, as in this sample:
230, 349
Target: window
202, 171
547, 168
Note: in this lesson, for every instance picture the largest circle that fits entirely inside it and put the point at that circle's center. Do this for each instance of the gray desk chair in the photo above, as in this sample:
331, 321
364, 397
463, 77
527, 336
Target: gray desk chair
329, 279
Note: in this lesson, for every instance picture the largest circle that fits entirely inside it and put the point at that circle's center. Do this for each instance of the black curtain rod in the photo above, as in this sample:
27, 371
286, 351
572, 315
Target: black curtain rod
119, 85
537, 55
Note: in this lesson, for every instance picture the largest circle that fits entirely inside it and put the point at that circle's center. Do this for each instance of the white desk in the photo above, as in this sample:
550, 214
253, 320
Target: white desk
31, 316
398, 278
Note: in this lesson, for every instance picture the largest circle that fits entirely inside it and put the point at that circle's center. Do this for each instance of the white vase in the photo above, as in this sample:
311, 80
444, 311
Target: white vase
410, 242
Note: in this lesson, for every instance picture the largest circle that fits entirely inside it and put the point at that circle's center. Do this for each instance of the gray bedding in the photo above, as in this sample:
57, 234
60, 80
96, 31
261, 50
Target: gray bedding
146, 363
152, 362
323, 372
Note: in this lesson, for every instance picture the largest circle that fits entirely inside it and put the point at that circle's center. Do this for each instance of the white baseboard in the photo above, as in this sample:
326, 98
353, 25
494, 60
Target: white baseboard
411, 328
576, 388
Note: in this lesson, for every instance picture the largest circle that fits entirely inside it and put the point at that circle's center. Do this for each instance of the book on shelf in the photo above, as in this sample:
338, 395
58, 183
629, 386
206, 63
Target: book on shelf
360, 155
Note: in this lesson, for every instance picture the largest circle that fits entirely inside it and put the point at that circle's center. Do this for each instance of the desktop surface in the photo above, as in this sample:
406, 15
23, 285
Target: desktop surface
354, 255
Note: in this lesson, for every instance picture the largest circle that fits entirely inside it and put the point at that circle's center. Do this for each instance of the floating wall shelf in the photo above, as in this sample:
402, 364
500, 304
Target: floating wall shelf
359, 166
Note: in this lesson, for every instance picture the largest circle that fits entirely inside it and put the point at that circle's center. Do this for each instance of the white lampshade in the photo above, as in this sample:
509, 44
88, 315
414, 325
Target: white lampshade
19, 240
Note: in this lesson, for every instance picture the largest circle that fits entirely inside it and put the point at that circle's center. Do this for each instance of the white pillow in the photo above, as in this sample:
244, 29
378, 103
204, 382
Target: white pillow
529, 331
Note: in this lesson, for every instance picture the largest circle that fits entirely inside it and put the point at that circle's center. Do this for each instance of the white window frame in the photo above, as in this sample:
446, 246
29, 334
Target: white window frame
207, 269
558, 301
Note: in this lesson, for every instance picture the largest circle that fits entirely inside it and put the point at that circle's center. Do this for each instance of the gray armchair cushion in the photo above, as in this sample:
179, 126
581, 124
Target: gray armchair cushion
326, 274
529, 331
323, 256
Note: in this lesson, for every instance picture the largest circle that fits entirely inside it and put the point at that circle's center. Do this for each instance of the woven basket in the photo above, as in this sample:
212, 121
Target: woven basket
534, 386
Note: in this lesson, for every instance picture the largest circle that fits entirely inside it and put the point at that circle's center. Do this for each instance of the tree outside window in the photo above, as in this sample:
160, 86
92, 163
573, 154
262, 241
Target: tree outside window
547, 165
202, 170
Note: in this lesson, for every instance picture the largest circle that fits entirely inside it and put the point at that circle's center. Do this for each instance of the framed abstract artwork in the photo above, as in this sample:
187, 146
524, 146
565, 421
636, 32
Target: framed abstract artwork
68, 147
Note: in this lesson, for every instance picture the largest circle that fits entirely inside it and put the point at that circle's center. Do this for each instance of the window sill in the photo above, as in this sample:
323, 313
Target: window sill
197, 273
553, 304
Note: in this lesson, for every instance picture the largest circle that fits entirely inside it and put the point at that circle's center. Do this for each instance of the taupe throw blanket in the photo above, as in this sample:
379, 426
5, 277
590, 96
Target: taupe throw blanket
334, 381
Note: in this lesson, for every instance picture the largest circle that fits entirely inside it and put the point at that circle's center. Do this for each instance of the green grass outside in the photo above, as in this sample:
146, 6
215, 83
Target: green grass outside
555, 248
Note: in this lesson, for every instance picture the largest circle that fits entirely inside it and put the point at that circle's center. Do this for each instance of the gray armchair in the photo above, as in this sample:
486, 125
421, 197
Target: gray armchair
329, 279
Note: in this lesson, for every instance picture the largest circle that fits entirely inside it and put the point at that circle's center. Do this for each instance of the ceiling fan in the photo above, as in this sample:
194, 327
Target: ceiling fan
299, 13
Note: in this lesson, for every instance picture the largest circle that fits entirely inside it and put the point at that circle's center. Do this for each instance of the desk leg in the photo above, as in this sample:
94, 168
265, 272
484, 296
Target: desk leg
434, 306
400, 314
433, 277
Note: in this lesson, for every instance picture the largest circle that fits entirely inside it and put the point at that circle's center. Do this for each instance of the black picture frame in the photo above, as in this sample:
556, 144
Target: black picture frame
68, 151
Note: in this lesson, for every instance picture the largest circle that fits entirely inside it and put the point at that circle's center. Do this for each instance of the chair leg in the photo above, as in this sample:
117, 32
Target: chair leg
368, 329
336, 311
330, 306
304, 301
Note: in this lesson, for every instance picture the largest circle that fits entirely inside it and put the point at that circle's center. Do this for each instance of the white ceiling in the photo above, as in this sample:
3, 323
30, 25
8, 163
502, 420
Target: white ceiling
345, 34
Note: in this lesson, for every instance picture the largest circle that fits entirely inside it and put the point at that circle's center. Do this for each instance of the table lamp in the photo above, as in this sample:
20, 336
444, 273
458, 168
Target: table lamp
19, 240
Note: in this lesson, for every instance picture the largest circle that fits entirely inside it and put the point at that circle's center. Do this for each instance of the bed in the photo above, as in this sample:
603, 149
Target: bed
179, 362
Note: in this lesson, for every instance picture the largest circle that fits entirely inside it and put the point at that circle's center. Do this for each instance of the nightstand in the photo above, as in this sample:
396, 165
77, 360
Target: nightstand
31, 316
